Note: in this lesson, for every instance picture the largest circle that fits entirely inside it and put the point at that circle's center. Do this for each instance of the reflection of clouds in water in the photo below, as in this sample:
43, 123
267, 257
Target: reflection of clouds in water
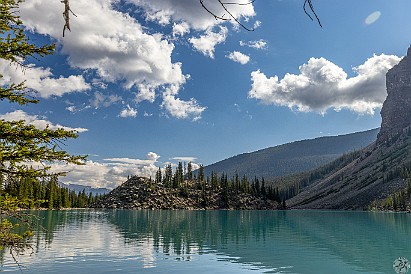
372, 18
146, 251
87, 242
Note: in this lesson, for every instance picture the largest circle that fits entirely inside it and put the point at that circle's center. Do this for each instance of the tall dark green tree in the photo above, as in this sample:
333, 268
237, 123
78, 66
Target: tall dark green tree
189, 171
168, 176
201, 173
158, 176
180, 174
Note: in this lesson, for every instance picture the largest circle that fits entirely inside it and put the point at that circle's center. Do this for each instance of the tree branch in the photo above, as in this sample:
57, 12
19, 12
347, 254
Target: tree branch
233, 17
312, 10
66, 15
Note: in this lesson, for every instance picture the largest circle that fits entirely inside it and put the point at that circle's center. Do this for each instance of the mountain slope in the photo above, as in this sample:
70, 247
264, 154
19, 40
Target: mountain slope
375, 174
292, 157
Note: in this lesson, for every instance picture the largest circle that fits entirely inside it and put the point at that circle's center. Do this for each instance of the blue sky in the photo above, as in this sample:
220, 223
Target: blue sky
149, 82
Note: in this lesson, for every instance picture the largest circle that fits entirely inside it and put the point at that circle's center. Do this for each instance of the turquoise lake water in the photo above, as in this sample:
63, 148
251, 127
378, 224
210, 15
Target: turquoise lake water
165, 241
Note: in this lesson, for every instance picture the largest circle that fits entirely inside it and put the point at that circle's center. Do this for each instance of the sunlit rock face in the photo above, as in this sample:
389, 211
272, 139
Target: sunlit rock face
396, 110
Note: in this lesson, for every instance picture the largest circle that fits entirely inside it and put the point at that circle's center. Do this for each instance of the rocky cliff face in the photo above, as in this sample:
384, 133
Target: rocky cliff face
396, 110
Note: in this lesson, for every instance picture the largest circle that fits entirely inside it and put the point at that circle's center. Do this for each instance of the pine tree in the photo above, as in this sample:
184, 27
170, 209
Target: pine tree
189, 171
201, 173
180, 174
257, 187
168, 176
158, 176
263, 190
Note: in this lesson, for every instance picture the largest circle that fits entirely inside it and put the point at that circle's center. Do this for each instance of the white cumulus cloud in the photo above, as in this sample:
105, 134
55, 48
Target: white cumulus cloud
207, 42
258, 44
35, 120
238, 57
41, 80
322, 85
145, 93
128, 112
110, 173
179, 108
104, 100
119, 50
180, 29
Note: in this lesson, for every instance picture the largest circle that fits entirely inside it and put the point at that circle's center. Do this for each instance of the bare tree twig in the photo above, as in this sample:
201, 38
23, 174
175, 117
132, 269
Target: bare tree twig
66, 15
312, 10
233, 17
212, 13
240, 4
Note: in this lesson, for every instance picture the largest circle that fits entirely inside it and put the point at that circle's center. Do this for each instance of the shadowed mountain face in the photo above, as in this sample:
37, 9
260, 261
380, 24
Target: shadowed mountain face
382, 168
292, 157
396, 111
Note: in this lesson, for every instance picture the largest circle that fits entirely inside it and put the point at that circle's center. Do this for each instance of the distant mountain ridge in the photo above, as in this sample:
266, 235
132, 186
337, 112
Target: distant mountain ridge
292, 157
88, 189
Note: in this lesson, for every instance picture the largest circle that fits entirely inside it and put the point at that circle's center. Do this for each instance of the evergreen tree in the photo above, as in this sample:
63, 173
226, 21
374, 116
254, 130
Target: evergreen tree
263, 190
189, 171
158, 176
22, 143
257, 187
180, 174
214, 181
168, 176
52, 193
245, 186
201, 173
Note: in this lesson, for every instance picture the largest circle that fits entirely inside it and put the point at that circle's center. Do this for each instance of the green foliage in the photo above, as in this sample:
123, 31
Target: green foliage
15, 47
398, 201
23, 146
14, 230
21, 143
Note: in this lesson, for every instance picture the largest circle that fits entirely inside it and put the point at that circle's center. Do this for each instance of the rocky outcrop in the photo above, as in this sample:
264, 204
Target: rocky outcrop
141, 193
396, 110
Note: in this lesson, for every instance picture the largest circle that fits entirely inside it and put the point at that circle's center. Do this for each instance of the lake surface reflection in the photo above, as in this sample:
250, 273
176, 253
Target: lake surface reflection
166, 241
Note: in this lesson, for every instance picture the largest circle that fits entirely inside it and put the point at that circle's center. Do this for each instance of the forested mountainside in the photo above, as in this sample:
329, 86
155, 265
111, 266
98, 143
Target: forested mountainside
365, 177
380, 175
292, 157
372, 176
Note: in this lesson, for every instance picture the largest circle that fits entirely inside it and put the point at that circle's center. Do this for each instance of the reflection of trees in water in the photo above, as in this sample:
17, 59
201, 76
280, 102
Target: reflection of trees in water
369, 241
179, 230
357, 238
